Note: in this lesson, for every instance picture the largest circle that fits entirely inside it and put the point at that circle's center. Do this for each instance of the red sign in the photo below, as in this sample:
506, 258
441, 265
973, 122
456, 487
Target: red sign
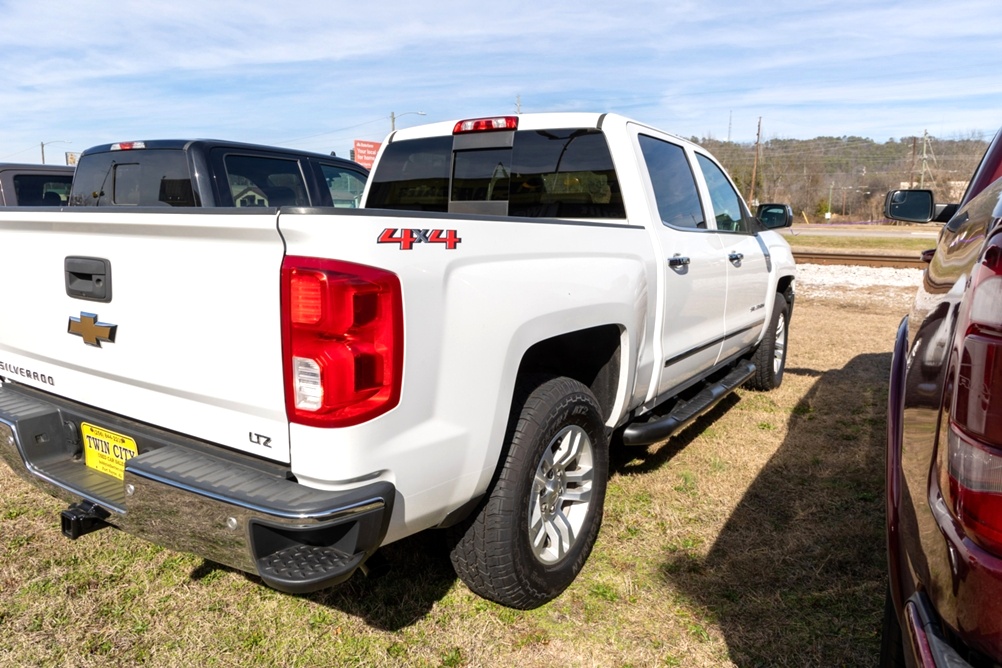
365, 152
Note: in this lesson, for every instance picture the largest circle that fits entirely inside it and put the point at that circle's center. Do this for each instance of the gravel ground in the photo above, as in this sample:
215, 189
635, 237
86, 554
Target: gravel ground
871, 286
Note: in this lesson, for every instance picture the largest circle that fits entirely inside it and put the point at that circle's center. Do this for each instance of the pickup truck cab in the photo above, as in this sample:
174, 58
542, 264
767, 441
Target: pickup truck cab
34, 185
212, 172
518, 295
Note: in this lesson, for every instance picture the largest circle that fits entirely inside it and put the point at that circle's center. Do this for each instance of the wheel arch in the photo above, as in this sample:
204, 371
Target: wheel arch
591, 356
892, 461
785, 287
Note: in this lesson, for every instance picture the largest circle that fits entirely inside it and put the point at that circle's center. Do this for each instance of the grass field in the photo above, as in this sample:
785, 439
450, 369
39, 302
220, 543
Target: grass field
752, 539
877, 245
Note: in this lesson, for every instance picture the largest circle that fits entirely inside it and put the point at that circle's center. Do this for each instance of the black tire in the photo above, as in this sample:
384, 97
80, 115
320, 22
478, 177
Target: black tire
553, 477
892, 649
770, 356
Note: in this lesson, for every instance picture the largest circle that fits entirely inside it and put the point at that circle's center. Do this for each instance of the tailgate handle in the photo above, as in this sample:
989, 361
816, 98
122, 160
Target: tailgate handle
88, 278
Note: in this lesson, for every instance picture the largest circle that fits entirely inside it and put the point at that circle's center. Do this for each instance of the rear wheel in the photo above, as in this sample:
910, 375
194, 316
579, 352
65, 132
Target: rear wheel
534, 531
770, 356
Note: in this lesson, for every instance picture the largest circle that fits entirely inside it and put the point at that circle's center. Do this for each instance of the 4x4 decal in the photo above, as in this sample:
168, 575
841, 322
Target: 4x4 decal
407, 238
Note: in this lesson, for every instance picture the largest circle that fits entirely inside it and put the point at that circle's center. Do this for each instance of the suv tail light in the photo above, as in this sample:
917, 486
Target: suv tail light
974, 436
342, 341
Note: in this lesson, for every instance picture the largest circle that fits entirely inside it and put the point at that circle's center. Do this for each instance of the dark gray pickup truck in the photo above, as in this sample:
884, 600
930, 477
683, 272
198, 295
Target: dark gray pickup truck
34, 185
210, 172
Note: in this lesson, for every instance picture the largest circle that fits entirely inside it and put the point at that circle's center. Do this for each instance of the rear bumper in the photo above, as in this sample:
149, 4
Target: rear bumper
924, 638
191, 497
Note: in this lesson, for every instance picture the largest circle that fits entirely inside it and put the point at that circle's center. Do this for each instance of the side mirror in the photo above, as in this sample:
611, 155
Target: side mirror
775, 216
910, 206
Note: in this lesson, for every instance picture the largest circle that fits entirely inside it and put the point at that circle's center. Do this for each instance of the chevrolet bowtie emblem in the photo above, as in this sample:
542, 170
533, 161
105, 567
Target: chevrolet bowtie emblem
92, 331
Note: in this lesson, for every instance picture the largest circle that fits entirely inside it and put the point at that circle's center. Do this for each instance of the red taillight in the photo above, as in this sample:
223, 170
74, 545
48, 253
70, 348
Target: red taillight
974, 437
486, 124
306, 294
975, 475
342, 340
128, 145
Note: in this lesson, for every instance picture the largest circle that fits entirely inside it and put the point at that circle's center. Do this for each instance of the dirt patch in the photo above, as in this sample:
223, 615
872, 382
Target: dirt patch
858, 287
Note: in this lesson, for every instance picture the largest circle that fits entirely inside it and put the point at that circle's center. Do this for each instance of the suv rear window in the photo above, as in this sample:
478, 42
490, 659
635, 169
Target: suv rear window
141, 177
566, 173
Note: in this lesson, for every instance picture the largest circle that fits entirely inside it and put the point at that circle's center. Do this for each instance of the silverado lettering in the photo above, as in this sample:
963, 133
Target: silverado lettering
26, 373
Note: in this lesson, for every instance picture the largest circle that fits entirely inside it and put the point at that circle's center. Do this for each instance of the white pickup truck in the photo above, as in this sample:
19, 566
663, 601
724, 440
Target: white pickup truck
285, 390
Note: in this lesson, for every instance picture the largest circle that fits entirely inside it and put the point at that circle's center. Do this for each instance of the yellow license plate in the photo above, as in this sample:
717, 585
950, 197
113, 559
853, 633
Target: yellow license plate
107, 451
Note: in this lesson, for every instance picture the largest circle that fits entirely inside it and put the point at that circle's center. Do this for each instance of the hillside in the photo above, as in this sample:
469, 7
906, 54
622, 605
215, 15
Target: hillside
847, 175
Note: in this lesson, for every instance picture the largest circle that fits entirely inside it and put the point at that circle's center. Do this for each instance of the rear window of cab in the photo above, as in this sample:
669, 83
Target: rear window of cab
133, 178
565, 173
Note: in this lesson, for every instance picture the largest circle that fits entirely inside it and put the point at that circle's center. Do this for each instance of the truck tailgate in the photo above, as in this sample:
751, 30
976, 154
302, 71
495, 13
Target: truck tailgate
190, 339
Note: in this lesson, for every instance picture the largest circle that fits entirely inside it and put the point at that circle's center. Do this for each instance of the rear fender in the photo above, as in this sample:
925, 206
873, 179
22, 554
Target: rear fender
895, 416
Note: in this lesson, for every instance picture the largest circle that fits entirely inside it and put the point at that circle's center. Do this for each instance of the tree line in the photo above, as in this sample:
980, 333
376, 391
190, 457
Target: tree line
847, 177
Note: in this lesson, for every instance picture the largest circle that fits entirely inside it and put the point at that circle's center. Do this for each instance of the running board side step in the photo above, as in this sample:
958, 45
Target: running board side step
685, 412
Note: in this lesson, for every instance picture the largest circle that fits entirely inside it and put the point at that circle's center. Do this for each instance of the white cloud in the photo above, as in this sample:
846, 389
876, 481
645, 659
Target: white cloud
317, 74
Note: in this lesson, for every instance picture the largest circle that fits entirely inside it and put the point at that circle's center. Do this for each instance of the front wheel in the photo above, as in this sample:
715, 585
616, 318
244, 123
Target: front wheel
770, 356
534, 531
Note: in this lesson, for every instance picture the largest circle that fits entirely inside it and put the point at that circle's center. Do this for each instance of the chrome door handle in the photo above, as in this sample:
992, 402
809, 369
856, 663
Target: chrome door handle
736, 257
678, 261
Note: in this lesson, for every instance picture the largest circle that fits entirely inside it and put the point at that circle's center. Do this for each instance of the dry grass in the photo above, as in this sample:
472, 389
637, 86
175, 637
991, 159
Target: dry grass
876, 245
754, 538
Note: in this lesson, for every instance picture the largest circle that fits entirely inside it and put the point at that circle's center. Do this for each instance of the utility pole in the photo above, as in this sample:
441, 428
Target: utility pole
754, 169
393, 118
54, 141
911, 174
926, 149
518, 104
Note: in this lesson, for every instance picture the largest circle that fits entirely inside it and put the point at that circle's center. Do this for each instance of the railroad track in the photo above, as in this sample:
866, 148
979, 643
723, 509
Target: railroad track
860, 259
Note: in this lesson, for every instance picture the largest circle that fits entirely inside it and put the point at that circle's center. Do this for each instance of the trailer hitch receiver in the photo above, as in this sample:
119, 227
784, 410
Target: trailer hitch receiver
83, 518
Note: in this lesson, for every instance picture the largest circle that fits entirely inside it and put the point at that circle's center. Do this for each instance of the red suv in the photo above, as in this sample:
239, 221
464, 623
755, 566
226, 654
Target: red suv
944, 442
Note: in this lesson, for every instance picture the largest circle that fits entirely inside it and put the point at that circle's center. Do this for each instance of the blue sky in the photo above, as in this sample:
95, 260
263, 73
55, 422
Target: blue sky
318, 74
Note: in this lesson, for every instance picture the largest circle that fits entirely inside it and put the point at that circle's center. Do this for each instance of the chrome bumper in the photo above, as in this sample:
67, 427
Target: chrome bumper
184, 495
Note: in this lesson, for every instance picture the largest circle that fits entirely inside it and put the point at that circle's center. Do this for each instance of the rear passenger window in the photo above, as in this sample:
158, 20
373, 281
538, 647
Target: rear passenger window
262, 181
42, 189
673, 183
345, 186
